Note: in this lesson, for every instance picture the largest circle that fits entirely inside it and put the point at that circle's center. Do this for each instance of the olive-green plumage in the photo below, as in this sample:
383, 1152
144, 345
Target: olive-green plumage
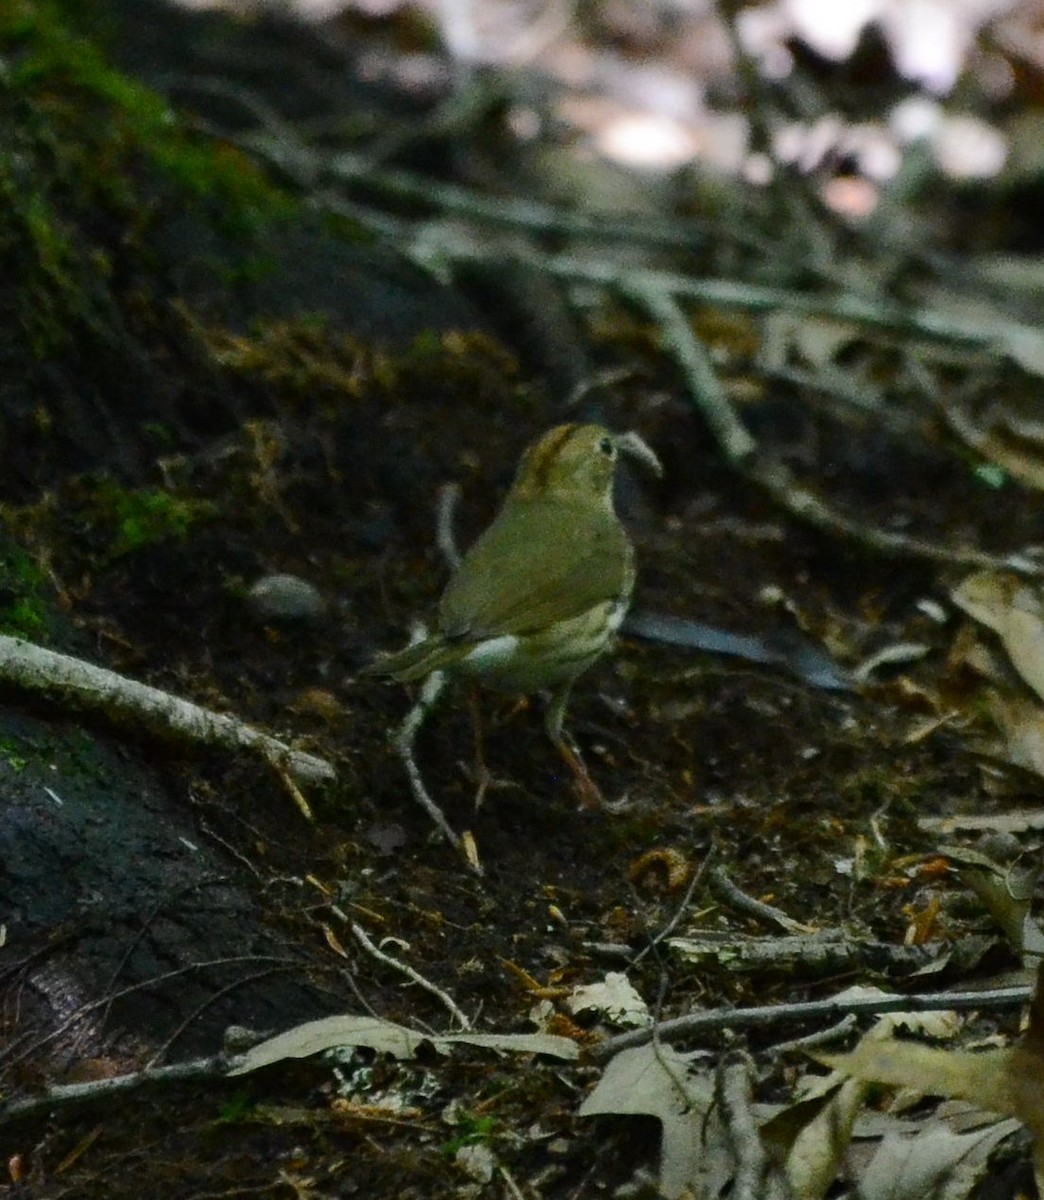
540, 595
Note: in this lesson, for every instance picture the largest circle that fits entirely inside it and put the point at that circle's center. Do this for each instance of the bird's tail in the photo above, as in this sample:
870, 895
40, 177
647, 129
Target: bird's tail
415, 661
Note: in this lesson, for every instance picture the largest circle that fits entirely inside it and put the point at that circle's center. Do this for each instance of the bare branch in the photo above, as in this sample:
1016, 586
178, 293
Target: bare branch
82, 686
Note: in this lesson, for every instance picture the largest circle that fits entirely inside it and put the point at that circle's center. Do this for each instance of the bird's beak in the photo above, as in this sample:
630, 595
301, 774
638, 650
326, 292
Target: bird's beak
630, 443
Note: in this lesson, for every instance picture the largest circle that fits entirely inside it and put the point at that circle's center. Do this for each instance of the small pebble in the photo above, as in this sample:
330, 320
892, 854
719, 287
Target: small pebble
318, 702
285, 598
477, 1162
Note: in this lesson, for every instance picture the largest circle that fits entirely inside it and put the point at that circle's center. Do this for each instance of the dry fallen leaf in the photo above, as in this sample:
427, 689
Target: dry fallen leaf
388, 1038
1007, 894
1012, 608
932, 1161
1009, 1081
659, 1081
614, 998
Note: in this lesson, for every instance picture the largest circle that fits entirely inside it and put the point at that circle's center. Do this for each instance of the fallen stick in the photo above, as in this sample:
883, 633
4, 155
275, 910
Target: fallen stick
81, 685
709, 1020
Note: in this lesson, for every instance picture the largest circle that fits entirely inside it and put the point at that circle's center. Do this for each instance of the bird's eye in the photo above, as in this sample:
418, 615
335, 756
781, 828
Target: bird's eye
607, 447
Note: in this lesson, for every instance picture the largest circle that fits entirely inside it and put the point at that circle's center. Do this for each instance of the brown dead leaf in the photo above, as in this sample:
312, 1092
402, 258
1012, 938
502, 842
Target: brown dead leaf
1013, 609
1008, 1081
659, 1081
1007, 892
1021, 721
386, 1037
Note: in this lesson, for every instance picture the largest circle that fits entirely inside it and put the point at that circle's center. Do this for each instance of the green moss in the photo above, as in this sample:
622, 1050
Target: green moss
17, 566
145, 517
474, 1131
250, 270
84, 150
38, 249
118, 119
241, 1107
11, 754
24, 596
22, 618
54, 249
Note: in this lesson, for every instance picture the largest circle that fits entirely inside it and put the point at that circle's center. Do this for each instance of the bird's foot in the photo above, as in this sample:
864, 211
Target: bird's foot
617, 807
588, 791
584, 786
484, 781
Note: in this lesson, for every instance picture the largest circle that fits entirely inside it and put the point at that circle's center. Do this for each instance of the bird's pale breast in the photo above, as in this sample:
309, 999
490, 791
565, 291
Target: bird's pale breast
533, 661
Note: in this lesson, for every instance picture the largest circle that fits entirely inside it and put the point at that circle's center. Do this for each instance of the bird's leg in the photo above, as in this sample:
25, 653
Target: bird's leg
554, 720
483, 776
520, 705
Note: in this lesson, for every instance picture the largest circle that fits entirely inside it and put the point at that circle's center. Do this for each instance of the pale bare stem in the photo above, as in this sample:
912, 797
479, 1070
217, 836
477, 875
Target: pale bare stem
682, 907
513, 1190
755, 1177
405, 737
445, 511
294, 791
86, 688
64, 1095
733, 439
772, 1014
726, 890
444, 998
821, 1037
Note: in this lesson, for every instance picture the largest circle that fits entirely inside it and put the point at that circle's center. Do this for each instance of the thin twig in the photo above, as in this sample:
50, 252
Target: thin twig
513, 211
821, 1037
726, 890
659, 292
294, 792
797, 500
679, 910
733, 439
413, 975
656, 293
200, 1008
753, 1018
85, 1010
514, 1191
278, 142
405, 737
431, 689
445, 511
872, 313
62, 1095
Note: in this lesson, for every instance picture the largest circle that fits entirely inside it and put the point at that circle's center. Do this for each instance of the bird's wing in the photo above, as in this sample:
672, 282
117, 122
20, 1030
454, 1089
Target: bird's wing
537, 563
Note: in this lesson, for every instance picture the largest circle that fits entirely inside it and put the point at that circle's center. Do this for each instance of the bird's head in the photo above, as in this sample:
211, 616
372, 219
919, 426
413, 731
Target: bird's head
576, 462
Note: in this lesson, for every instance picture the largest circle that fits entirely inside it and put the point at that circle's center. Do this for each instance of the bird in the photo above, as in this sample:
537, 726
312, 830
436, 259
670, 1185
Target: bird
540, 595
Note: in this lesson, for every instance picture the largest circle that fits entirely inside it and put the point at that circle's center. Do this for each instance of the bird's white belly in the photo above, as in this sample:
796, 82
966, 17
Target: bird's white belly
533, 661
491, 654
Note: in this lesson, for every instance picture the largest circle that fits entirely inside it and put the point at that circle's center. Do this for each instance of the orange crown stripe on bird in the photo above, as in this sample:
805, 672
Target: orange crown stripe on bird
541, 594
